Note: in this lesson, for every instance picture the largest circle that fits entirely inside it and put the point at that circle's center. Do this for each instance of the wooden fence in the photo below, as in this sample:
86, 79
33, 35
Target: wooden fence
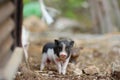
10, 37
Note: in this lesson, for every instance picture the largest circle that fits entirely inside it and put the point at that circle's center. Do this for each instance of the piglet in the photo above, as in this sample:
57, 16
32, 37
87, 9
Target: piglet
58, 52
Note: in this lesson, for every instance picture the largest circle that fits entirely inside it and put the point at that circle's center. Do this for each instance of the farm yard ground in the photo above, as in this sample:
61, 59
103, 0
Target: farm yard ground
98, 59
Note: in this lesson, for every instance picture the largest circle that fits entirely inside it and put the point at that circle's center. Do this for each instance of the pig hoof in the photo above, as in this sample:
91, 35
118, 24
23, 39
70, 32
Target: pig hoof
63, 72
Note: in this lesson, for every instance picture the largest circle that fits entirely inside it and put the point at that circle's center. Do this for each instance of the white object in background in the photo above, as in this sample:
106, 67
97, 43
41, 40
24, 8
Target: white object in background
46, 16
25, 42
53, 12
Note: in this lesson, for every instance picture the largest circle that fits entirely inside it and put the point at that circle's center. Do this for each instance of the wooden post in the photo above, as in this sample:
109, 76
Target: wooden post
18, 20
5, 29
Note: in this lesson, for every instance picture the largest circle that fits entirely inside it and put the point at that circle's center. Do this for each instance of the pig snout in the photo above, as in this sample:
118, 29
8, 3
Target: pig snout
63, 55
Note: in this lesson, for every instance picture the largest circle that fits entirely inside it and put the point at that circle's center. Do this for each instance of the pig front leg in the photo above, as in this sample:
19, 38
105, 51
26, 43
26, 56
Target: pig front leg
43, 61
64, 66
59, 68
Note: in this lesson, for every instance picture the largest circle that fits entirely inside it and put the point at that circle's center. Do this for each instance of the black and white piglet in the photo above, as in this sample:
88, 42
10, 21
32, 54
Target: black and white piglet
58, 52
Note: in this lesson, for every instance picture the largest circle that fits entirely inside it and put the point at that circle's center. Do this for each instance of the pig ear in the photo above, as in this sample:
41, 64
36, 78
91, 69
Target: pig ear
71, 43
56, 42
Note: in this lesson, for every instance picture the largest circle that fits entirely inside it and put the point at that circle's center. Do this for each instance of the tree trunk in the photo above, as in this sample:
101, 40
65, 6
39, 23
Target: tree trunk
116, 12
101, 11
107, 16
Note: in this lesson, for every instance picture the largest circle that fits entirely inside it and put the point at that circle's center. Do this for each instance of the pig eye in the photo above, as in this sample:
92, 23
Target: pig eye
67, 48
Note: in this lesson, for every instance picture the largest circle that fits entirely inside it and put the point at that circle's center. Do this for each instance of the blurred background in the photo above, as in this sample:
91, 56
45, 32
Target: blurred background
78, 16
94, 25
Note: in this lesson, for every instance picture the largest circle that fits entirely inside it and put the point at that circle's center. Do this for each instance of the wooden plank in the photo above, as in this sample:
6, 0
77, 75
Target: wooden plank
5, 47
6, 10
3, 1
12, 66
5, 59
6, 28
1, 75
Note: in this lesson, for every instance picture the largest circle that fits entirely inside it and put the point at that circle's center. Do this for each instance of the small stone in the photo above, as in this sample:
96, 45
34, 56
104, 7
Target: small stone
19, 73
45, 75
91, 70
71, 66
77, 71
50, 72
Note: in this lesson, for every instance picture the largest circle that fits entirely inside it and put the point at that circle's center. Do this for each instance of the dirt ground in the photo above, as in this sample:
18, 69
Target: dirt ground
102, 52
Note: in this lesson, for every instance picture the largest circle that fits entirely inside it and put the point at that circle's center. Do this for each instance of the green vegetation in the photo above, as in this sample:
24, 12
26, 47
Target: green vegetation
31, 8
70, 7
